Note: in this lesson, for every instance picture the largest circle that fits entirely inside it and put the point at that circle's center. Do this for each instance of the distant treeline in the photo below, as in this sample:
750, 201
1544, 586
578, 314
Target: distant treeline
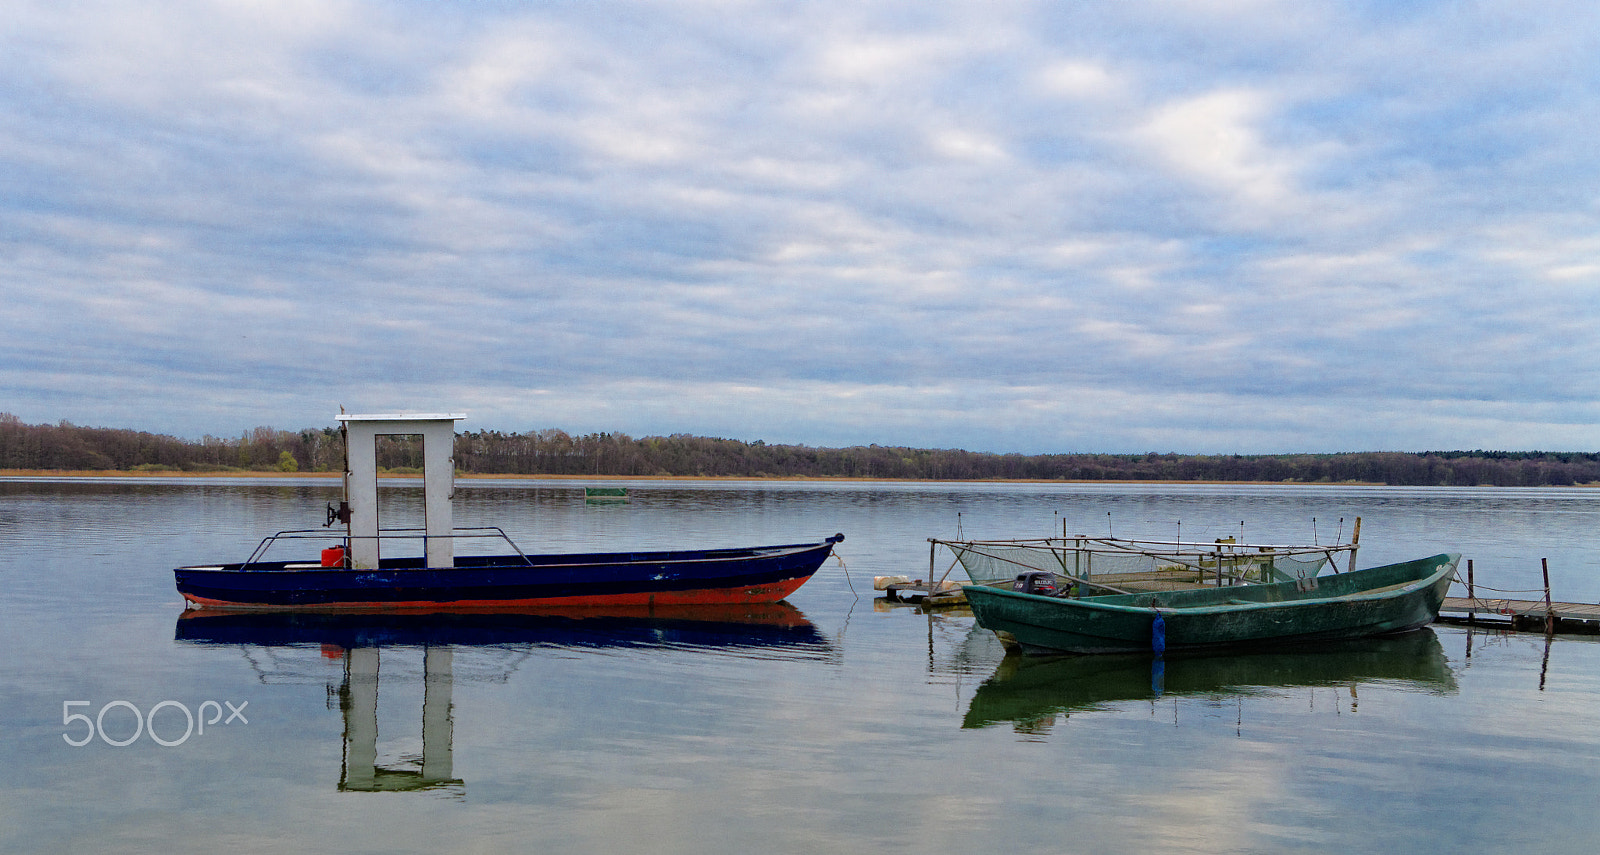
66, 446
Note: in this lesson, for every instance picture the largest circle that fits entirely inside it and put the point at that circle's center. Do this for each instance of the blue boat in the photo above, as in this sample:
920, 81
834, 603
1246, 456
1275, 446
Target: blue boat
356, 575
761, 574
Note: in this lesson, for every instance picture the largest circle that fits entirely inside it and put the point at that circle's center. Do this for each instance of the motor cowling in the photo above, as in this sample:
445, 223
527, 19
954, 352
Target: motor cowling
1038, 582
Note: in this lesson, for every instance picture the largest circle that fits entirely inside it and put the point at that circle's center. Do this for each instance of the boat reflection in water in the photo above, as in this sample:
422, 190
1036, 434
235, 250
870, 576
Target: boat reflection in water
356, 637
1030, 692
757, 625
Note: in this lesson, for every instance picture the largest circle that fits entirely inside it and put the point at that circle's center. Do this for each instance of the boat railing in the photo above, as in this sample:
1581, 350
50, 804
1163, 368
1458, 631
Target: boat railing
388, 534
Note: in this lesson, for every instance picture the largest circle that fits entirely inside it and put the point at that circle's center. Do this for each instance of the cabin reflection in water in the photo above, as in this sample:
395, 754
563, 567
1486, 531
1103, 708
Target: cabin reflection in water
1033, 694
358, 700
760, 630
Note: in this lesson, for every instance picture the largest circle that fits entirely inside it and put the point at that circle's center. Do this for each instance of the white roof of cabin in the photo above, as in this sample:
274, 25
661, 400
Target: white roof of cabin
402, 417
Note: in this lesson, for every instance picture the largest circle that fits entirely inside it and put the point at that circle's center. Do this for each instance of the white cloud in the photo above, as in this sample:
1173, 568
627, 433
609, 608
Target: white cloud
1215, 141
1079, 79
876, 59
968, 146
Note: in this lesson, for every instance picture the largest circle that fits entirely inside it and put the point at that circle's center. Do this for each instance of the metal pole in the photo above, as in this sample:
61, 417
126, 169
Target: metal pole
1355, 542
1472, 597
1549, 612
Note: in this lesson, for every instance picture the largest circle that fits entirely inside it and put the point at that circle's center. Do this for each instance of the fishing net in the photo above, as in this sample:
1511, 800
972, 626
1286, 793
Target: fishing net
1128, 566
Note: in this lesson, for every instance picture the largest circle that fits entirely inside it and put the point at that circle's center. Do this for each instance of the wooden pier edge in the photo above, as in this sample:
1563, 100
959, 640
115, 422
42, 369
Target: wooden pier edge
1530, 615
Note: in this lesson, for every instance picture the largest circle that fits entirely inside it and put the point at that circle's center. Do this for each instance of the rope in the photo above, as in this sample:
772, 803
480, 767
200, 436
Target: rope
1479, 586
851, 582
1482, 587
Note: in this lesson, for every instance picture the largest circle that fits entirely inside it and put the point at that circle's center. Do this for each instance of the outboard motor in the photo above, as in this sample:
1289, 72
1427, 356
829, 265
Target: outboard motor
1038, 582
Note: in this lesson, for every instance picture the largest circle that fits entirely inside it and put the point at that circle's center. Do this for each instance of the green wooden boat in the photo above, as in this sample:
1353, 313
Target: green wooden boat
1375, 601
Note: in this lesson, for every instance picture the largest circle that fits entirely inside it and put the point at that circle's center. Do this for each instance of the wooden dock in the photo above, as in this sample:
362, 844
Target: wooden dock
921, 593
1527, 615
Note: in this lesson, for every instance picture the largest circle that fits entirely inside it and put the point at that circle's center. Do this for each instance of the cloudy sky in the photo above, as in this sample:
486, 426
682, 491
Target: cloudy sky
1177, 225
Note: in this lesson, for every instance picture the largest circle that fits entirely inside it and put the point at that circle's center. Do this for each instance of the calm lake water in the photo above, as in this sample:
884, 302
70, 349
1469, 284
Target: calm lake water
833, 724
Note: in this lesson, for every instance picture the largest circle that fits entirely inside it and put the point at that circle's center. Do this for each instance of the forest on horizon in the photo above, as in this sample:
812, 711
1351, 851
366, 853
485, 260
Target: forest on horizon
68, 447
